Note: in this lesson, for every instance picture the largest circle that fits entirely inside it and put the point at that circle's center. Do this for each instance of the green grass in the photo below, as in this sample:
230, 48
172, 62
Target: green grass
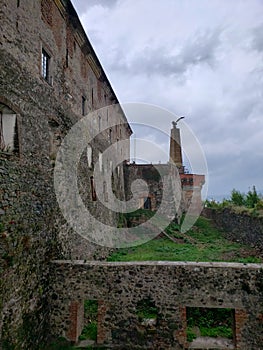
202, 243
91, 314
219, 331
146, 309
211, 322
89, 331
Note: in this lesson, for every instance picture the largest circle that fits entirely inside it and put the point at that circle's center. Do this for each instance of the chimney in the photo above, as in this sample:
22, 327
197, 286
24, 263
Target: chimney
175, 147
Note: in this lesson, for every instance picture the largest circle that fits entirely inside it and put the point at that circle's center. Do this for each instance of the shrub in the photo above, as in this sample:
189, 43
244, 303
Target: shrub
259, 205
237, 198
252, 198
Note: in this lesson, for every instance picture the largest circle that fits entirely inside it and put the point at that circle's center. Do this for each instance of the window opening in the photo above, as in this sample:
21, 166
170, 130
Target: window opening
147, 313
93, 191
147, 203
105, 193
45, 65
83, 106
89, 156
90, 330
67, 54
210, 328
8, 130
99, 123
100, 161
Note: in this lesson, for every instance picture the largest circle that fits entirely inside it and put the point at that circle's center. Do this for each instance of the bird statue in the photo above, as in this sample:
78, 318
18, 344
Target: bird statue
175, 123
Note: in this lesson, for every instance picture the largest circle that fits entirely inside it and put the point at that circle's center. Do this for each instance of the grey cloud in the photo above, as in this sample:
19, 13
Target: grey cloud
257, 42
200, 49
235, 171
82, 6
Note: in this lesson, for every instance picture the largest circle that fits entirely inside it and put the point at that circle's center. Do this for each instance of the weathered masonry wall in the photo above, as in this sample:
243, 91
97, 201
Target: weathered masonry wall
172, 286
46, 100
156, 176
241, 227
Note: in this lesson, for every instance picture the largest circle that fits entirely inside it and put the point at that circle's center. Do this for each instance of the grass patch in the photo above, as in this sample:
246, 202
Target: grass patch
91, 319
210, 322
203, 242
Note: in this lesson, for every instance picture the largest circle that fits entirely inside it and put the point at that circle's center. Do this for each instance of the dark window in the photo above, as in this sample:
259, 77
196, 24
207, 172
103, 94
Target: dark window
105, 193
18, 3
93, 192
110, 134
45, 68
147, 203
99, 123
67, 58
83, 105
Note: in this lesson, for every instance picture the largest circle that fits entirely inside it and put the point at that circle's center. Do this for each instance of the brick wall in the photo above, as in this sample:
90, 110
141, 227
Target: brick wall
76, 311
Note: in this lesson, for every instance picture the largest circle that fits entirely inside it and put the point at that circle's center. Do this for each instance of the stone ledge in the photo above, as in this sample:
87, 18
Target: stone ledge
160, 263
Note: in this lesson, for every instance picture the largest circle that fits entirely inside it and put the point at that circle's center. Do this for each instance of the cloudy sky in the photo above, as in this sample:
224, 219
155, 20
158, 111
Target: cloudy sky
198, 58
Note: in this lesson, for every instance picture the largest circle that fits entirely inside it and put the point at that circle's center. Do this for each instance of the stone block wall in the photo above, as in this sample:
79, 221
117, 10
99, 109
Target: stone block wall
240, 227
172, 286
163, 187
32, 228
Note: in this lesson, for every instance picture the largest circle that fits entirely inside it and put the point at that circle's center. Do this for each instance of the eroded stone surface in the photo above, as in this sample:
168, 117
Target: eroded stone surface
172, 286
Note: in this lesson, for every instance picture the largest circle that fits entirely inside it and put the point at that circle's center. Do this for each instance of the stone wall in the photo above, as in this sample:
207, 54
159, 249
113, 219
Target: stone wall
172, 286
163, 187
240, 227
184, 189
32, 228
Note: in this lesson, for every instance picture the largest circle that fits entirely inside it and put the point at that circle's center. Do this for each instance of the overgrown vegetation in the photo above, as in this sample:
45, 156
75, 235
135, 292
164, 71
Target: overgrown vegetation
250, 202
203, 242
91, 320
146, 309
208, 322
